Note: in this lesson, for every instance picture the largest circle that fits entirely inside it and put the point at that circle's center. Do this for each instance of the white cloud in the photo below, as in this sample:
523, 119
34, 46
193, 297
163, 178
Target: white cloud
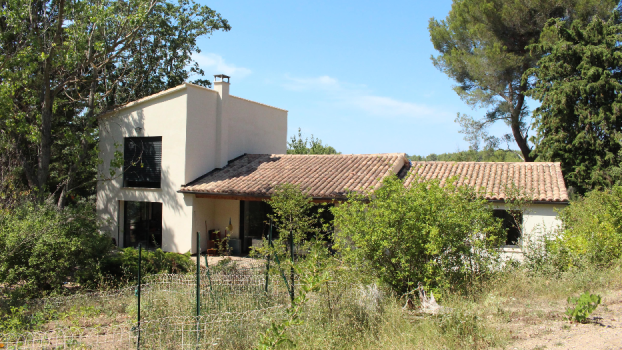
359, 97
323, 82
379, 105
217, 64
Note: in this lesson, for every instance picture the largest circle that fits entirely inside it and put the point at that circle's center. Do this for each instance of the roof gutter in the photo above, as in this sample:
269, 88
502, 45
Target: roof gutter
531, 202
263, 197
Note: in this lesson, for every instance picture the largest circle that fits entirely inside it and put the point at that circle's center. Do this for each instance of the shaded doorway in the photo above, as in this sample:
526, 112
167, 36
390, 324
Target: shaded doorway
143, 224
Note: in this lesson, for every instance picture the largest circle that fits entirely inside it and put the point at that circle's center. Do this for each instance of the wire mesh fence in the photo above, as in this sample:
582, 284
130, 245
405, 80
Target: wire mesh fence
238, 330
236, 304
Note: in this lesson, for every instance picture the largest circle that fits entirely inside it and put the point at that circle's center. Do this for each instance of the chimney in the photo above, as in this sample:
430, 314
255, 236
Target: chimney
222, 120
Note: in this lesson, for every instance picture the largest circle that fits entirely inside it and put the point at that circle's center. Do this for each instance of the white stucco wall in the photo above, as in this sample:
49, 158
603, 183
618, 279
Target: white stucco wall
255, 128
201, 142
188, 120
214, 214
164, 116
538, 220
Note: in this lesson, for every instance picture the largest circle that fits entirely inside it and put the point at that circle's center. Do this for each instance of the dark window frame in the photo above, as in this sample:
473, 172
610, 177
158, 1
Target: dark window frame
145, 226
142, 162
510, 225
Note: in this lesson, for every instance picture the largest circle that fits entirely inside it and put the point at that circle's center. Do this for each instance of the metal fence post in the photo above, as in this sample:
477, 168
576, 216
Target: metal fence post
268, 258
140, 249
291, 249
198, 287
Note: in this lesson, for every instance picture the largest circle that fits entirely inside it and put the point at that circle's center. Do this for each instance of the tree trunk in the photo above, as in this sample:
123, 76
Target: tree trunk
45, 150
521, 140
84, 145
522, 143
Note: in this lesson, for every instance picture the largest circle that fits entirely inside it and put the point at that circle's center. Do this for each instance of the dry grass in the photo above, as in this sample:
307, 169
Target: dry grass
512, 307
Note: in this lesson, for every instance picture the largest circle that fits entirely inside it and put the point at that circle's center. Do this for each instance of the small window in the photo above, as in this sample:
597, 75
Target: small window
142, 162
512, 223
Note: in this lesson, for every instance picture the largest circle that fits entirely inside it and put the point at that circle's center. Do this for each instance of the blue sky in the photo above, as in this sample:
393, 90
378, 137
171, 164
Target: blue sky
356, 74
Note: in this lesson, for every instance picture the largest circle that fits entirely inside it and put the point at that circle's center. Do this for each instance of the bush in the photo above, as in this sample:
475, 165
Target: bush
41, 246
591, 230
443, 237
122, 266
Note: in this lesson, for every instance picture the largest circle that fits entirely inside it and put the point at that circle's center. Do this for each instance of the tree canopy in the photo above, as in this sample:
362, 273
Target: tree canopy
579, 83
308, 146
62, 62
486, 155
482, 45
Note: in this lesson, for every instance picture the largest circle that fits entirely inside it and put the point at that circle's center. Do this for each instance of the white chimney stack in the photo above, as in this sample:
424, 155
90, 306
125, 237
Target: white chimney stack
222, 119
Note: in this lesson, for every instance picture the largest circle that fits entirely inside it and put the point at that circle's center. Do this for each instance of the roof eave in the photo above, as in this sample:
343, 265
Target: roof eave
149, 98
250, 195
530, 202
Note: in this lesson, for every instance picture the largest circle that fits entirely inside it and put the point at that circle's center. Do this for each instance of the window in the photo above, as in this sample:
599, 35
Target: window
512, 222
142, 162
254, 222
143, 224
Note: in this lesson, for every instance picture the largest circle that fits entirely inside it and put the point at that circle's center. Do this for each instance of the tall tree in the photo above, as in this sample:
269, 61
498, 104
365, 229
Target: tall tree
64, 61
579, 83
483, 47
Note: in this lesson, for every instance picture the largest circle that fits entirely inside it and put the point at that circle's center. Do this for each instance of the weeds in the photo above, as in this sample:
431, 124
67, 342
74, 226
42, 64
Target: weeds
583, 306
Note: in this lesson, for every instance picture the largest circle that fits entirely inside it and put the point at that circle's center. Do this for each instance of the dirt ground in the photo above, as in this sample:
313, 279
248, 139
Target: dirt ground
553, 331
240, 261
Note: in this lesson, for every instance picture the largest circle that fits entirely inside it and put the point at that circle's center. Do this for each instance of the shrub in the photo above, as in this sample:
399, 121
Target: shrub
443, 237
41, 246
591, 230
583, 306
122, 265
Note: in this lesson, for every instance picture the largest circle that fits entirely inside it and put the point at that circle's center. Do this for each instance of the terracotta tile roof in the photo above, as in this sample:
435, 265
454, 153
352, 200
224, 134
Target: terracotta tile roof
321, 176
542, 181
331, 176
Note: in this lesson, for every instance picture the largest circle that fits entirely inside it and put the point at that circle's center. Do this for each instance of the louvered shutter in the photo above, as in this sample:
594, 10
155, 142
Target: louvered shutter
143, 162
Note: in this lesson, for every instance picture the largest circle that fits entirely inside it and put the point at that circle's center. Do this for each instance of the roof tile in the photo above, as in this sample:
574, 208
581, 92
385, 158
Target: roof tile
331, 176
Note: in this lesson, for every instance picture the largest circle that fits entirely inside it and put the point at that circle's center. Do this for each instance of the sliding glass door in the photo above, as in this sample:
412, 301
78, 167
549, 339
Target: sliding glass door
143, 224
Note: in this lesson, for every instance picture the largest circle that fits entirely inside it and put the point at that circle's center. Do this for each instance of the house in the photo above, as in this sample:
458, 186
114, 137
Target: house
170, 139
198, 159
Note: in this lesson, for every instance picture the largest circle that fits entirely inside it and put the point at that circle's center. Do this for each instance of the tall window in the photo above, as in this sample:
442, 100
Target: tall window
254, 222
142, 162
143, 224
512, 222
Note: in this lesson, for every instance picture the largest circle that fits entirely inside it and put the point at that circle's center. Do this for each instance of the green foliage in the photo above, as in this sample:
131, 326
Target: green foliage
578, 82
308, 146
64, 62
583, 306
486, 155
482, 46
123, 265
591, 230
315, 274
41, 246
16, 319
295, 217
441, 236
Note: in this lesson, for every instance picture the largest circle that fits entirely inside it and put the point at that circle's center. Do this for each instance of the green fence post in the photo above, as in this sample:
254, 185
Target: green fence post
268, 258
140, 249
291, 250
198, 287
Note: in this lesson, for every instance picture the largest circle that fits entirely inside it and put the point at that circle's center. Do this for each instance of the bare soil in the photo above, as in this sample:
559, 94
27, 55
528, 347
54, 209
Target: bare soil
546, 326
239, 261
